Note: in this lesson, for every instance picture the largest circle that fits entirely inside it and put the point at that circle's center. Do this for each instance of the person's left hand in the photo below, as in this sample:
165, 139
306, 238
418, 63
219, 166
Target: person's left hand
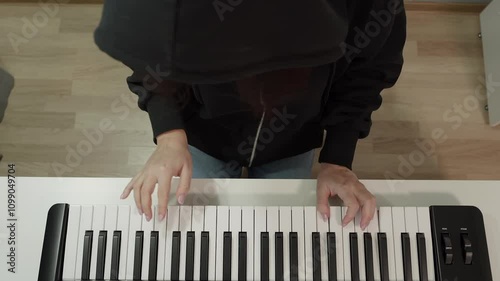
337, 180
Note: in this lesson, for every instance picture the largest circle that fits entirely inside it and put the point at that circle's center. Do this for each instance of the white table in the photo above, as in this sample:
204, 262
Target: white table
490, 34
36, 195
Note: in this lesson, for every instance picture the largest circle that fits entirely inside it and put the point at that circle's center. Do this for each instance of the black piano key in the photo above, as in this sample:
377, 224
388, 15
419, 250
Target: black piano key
422, 257
190, 256
153, 255
264, 256
101, 254
139, 244
176, 255
226, 257
316, 256
279, 270
332, 256
370, 275
383, 256
54, 241
115, 255
204, 254
353, 241
242, 257
87, 254
294, 257
405, 240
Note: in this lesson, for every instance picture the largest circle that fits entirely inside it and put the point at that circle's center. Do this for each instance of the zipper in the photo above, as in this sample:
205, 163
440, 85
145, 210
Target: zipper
258, 132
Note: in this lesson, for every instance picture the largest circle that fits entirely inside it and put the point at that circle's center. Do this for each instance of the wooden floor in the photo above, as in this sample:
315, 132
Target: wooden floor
432, 125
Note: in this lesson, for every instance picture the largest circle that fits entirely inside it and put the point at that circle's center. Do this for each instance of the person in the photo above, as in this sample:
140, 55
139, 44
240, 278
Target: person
6, 86
257, 88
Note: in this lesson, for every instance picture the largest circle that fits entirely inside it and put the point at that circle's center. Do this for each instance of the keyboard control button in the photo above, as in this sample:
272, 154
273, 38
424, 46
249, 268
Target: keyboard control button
447, 248
467, 248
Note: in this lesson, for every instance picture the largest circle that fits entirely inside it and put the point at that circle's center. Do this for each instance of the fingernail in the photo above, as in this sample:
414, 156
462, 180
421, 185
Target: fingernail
140, 212
363, 226
161, 217
325, 217
148, 217
181, 199
122, 196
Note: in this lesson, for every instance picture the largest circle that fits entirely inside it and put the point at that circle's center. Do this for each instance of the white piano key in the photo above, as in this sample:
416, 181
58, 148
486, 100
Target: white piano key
110, 227
361, 246
172, 225
72, 238
385, 222
197, 221
286, 228
424, 226
134, 226
411, 222
298, 226
398, 224
346, 243
247, 222
147, 227
86, 216
122, 225
272, 228
211, 227
235, 228
97, 225
260, 226
323, 228
184, 227
161, 227
336, 227
373, 228
309, 228
222, 226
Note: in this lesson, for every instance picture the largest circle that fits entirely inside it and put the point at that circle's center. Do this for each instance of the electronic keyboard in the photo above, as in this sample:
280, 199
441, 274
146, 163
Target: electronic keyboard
247, 229
282, 243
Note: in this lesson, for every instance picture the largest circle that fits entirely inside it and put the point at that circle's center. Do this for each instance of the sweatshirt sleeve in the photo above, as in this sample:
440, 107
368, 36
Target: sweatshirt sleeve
163, 108
357, 92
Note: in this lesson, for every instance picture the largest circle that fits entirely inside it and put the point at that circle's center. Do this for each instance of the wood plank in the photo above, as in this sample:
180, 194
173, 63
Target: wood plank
69, 2
19, 119
443, 48
445, 7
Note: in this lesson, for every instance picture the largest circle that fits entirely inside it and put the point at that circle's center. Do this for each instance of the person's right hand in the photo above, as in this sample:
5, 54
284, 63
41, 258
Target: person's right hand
171, 158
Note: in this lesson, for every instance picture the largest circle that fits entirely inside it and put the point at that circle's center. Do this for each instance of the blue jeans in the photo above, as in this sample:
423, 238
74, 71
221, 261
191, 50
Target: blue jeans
296, 167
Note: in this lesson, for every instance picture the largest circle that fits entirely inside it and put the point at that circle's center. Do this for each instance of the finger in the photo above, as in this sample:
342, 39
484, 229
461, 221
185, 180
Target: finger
368, 205
184, 183
137, 193
352, 206
147, 189
323, 194
129, 187
163, 192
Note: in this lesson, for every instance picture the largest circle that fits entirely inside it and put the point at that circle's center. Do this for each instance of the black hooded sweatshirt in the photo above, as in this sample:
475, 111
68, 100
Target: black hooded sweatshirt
354, 47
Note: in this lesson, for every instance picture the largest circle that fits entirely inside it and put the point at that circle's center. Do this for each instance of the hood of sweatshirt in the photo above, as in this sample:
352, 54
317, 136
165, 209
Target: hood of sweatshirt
215, 41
